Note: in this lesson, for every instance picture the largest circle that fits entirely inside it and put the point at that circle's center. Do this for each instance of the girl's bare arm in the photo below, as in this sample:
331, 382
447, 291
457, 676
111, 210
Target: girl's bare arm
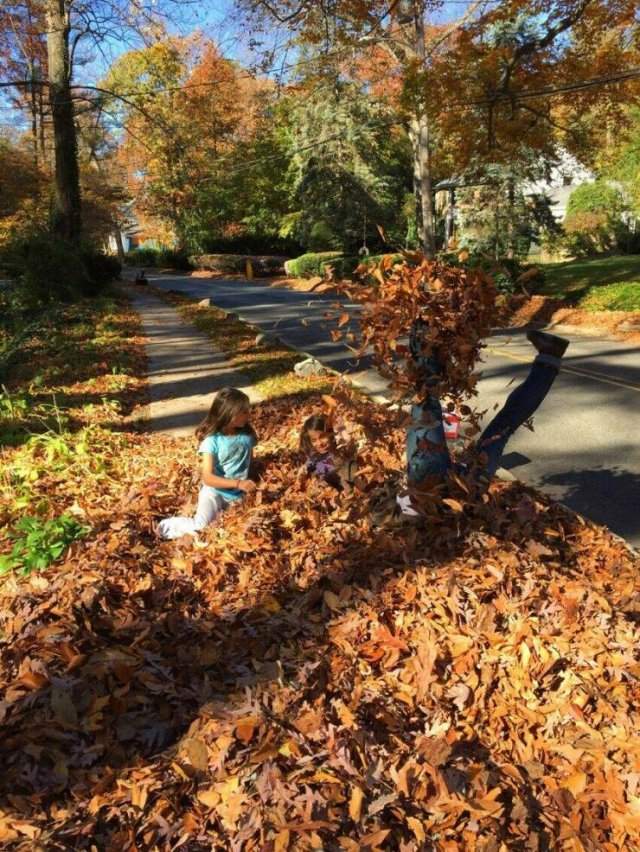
211, 479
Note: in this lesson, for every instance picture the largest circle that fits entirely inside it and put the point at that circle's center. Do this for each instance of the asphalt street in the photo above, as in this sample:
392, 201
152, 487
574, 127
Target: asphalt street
585, 448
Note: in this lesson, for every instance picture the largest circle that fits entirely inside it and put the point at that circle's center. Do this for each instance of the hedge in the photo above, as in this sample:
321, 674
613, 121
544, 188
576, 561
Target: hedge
237, 263
315, 263
171, 258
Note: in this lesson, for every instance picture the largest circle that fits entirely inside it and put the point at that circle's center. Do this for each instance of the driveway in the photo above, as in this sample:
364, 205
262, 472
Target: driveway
585, 449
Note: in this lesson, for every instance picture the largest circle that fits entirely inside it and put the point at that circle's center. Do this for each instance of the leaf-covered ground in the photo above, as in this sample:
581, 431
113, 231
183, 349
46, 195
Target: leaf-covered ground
304, 678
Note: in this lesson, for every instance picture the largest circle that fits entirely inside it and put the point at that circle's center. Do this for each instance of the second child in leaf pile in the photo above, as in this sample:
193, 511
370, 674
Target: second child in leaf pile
323, 457
227, 442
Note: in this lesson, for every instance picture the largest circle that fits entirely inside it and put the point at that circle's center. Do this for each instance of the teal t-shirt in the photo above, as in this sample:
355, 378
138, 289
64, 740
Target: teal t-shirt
232, 455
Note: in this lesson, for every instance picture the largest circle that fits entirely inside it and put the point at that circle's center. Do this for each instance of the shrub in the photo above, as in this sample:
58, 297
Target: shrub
102, 268
143, 257
374, 259
313, 263
51, 269
344, 266
594, 221
321, 237
48, 269
230, 263
237, 263
174, 259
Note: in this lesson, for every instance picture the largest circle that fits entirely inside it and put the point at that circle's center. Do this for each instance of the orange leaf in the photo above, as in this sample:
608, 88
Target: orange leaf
456, 505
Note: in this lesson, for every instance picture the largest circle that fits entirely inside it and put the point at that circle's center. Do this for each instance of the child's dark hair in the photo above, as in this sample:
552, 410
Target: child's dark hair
227, 403
315, 423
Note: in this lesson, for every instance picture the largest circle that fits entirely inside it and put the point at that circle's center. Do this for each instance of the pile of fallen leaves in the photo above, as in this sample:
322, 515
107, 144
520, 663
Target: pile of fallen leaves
301, 678
454, 307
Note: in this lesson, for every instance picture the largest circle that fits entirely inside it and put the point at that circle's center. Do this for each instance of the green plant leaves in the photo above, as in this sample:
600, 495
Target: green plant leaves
38, 542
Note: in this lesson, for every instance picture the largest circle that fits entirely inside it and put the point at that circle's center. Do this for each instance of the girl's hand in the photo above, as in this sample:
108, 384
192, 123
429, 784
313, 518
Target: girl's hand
246, 485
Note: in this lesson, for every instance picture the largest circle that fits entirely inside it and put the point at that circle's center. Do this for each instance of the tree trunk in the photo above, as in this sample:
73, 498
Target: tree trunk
511, 230
420, 138
67, 215
33, 107
43, 146
117, 235
419, 135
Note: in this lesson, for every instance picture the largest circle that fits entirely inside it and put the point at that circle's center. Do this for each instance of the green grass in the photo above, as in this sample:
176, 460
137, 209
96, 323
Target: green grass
611, 283
624, 296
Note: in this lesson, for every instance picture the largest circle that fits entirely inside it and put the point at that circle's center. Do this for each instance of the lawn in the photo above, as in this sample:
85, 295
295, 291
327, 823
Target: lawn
596, 284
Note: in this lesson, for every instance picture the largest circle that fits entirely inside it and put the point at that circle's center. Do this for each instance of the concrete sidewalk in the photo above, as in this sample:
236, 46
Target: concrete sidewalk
184, 368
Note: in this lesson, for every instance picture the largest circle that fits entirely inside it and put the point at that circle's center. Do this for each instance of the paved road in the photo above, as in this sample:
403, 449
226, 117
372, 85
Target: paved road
585, 449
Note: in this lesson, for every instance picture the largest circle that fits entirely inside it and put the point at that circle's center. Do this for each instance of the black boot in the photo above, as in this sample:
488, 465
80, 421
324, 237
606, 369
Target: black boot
548, 344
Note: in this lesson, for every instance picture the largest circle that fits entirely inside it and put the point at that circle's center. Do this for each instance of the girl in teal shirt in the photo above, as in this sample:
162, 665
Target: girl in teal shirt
226, 447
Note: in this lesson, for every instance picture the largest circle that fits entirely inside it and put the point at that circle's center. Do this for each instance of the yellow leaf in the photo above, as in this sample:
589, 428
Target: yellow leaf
416, 827
576, 783
270, 604
325, 777
226, 788
209, 798
346, 716
282, 840
460, 644
289, 749
343, 319
197, 753
355, 803
453, 504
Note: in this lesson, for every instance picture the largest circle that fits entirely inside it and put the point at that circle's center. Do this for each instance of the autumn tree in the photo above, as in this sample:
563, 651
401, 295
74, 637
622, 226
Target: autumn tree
23, 56
180, 107
470, 87
72, 29
189, 122
23, 200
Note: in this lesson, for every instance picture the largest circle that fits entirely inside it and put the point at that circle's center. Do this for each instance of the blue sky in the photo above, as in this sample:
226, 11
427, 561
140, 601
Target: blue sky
217, 18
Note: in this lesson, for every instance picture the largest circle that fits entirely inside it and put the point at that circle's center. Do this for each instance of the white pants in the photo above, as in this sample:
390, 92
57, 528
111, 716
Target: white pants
210, 505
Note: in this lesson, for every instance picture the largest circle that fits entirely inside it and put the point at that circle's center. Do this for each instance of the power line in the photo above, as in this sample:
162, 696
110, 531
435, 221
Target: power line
568, 87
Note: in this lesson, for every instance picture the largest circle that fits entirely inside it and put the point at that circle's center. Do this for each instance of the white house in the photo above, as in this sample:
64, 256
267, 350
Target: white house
562, 180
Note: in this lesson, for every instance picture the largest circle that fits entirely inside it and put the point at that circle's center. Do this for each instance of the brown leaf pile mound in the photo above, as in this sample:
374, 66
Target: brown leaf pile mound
302, 679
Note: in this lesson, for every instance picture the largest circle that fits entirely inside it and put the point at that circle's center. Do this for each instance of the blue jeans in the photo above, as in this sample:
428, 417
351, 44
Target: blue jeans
427, 452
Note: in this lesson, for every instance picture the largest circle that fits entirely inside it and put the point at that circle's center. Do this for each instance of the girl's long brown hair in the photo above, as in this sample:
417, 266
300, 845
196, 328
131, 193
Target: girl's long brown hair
227, 403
